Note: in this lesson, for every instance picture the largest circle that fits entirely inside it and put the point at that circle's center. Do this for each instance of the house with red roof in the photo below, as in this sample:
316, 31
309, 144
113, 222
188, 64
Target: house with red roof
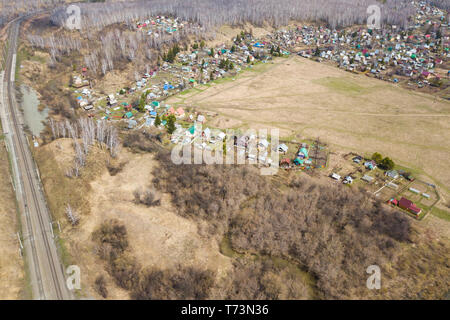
179, 112
170, 111
408, 205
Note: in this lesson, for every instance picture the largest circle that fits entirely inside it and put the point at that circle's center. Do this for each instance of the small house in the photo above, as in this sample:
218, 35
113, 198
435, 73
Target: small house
179, 112
414, 190
263, 143
131, 124
371, 165
393, 201
335, 176
298, 161
201, 118
392, 174
392, 185
171, 111
303, 152
367, 178
357, 159
128, 115
285, 162
409, 206
112, 100
221, 136
283, 148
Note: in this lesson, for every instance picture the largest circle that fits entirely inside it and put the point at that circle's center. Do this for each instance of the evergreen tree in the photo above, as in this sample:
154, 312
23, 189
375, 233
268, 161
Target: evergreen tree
141, 105
387, 164
170, 125
317, 52
377, 157
157, 121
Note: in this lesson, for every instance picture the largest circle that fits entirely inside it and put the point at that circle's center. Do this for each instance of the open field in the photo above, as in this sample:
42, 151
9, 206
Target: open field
158, 236
11, 264
305, 99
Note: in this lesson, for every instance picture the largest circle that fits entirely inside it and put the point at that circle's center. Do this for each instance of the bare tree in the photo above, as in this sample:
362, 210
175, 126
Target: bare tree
73, 217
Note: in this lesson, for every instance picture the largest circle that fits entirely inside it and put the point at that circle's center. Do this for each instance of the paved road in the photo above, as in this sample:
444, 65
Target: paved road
45, 269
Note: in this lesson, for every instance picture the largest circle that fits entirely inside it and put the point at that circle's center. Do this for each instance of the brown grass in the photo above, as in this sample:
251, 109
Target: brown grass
158, 237
351, 112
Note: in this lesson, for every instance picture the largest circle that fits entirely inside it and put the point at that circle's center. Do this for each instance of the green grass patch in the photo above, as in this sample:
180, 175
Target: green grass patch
64, 254
440, 213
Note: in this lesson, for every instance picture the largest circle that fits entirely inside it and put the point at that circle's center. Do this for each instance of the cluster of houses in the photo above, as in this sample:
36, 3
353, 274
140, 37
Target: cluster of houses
152, 109
416, 54
247, 147
202, 138
199, 66
421, 53
160, 25
403, 203
84, 98
206, 64
301, 160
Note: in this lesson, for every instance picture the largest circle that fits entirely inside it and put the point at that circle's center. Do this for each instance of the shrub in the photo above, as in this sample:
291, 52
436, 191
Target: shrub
377, 157
387, 164
100, 286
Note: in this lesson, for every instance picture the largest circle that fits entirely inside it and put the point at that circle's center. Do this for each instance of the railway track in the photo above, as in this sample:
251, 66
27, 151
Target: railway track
47, 277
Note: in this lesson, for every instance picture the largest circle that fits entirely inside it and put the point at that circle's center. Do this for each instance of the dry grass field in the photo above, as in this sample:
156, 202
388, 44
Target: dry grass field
306, 99
11, 264
158, 236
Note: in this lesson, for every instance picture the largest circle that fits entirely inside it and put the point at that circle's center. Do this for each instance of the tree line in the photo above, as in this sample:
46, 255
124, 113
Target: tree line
211, 13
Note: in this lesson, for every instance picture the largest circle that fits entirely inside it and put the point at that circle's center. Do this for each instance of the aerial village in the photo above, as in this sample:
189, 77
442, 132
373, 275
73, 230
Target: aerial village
418, 56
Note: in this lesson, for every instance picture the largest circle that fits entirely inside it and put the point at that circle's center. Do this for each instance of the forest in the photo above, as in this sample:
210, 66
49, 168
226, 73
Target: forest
106, 43
211, 13
331, 233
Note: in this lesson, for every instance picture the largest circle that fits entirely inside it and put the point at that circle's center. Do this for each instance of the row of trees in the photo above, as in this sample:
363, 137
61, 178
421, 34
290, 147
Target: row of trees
172, 53
384, 163
226, 64
211, 13
86, 133
113, 47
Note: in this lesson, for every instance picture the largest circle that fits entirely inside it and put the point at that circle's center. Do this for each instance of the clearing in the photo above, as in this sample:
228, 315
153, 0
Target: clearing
306, 99
158, 236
